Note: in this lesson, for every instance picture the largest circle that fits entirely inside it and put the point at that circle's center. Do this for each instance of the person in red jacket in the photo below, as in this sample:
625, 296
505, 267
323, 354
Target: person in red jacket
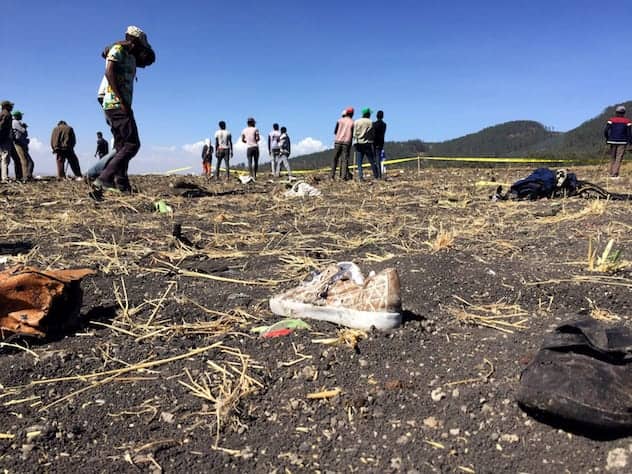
618, 133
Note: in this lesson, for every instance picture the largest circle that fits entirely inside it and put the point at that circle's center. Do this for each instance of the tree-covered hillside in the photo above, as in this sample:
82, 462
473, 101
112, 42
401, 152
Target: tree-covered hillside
516, 138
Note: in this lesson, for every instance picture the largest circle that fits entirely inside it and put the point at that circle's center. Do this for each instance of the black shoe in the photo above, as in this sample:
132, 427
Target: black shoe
122, 184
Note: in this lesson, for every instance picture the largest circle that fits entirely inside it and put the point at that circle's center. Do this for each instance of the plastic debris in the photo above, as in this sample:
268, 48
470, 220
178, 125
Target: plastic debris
162, 207
302, 189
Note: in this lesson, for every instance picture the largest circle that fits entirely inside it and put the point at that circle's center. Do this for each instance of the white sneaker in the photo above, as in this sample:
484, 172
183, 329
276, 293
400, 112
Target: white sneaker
340, 294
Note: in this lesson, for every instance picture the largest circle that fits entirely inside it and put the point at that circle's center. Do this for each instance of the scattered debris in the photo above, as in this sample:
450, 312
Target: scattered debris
162, 207
581, 379
302, 189
246, 179
32, 301
341, 294
324, 394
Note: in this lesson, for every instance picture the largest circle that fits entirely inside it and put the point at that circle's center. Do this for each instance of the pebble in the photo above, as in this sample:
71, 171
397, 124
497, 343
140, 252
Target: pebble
167, 417
363, 363
403, 439
431, 422
455, 431
617, 460
437, 394
455, 393
510, 438
26, 449
308, 372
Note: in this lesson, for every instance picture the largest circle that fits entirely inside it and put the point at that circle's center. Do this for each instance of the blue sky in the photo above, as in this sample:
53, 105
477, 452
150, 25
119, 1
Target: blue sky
438, 71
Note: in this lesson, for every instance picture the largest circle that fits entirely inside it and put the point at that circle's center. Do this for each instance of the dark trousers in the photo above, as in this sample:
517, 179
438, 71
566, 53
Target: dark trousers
362, 150
222, 154
252, 153
73, 161
126, 143
341, 150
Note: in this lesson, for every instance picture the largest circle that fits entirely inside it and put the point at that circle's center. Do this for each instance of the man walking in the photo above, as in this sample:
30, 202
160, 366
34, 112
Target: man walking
223, 148
120, 72
250, 136
364, 136
274, 150
62, 143
5, 139
102, 146
379, 130
618, 133
343, 133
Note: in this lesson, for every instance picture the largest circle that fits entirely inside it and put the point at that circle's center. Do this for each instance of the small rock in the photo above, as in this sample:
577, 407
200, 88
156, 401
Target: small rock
617, 459
494, 436
403, 439
363, 363
455, 393
308, 372
239, 298
437, 394
26, 449
455, 431
432, 422
509, 438
167, 417
396, 463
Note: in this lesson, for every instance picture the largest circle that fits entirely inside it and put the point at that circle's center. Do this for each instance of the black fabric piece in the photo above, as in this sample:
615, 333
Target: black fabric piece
581, 380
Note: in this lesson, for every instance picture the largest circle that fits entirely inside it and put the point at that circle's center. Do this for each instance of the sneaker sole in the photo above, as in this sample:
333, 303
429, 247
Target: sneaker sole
344, 316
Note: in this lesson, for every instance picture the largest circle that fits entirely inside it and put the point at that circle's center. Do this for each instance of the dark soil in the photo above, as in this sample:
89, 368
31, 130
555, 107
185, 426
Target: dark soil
436, 395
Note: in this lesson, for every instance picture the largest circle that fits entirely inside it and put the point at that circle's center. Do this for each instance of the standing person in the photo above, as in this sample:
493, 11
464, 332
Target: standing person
21, 146
618, 133
250, 136
120, 70
223, 148
102, 146
274, 150
94, 172
343, 136
62, 142
5, 139
363, 135
379, 130
207, 160
285, 149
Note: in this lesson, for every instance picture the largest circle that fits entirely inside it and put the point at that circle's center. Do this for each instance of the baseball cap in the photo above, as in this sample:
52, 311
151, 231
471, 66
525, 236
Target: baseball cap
6, 103
366, 110
620, 109
137, 33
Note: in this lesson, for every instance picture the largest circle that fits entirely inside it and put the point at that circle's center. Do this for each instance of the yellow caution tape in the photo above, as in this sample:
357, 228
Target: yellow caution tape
462, 159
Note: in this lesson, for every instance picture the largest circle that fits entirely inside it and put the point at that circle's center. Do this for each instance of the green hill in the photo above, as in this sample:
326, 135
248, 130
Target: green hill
516, 138
506, 139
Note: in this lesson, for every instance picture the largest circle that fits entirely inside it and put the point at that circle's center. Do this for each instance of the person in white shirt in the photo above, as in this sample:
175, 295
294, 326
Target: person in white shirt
223, 148
274, 150
250, 136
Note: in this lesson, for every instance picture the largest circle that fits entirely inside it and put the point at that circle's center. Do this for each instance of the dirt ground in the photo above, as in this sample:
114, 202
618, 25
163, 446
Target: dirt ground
164, 373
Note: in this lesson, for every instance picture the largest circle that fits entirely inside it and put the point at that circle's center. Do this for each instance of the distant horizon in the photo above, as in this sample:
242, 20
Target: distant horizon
193, 165
439, 71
